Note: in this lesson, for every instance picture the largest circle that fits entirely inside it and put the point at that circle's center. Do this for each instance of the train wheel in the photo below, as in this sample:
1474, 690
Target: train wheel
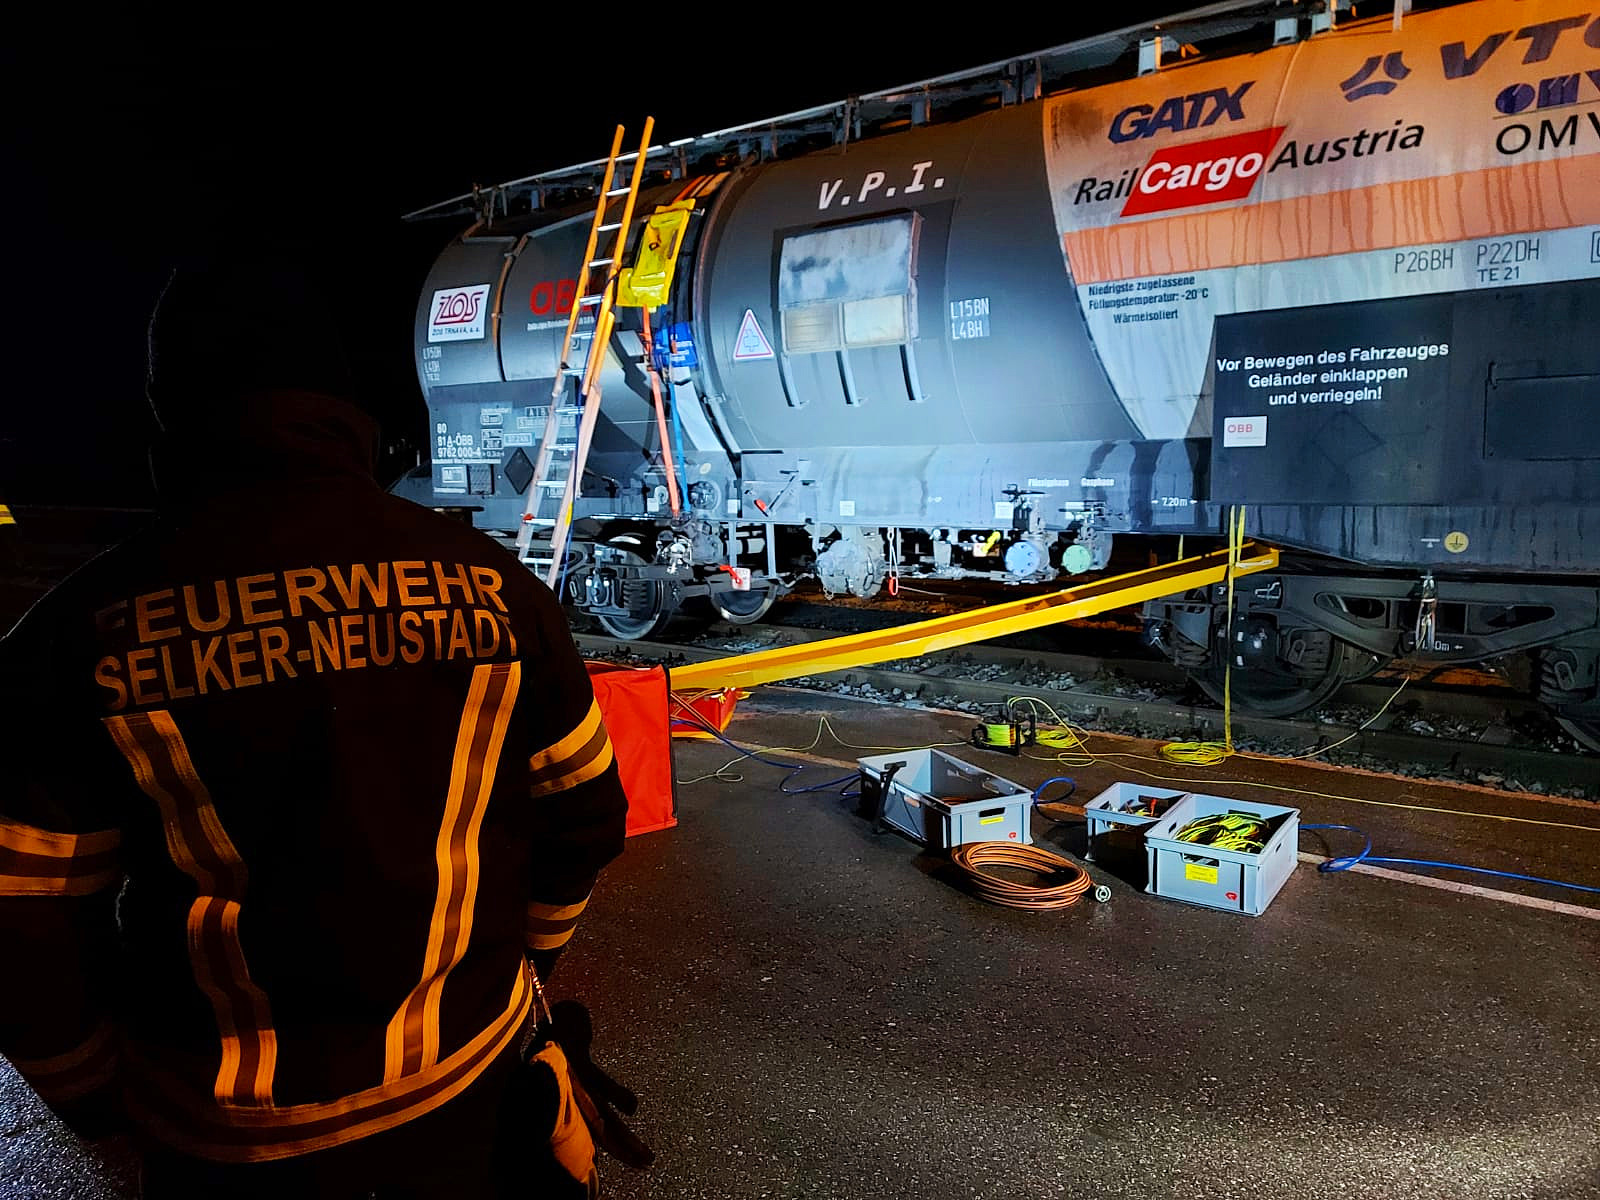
1585, 730
634, 629
1271, 695
1564, 680
643, 620
744, 608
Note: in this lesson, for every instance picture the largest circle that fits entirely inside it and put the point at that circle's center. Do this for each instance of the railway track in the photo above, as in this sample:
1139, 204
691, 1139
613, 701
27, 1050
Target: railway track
1470, 734
1456, 724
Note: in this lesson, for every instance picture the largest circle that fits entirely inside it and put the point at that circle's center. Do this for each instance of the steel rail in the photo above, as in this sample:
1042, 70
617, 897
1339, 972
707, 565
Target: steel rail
1174, 719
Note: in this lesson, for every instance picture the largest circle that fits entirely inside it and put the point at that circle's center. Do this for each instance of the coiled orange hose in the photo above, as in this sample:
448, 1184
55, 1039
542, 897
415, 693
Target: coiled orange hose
974, 856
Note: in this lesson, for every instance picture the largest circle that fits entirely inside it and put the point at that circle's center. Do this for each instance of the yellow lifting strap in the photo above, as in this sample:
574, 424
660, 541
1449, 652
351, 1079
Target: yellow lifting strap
980, 625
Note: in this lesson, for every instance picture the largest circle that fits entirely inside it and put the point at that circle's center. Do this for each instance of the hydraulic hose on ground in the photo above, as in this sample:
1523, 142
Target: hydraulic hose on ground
974, 856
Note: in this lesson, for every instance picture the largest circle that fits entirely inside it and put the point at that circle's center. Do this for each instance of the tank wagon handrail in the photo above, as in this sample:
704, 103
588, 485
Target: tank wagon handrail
842, 119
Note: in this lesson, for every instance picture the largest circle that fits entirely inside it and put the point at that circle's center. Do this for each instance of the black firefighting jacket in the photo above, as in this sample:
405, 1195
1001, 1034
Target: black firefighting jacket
292, 783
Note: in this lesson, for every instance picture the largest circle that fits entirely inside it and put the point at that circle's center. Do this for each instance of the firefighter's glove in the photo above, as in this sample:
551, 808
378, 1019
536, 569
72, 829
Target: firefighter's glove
598, 1097
546, 1143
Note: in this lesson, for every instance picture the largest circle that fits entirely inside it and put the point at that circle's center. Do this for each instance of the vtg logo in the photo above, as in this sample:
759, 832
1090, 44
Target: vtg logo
457, 313
1194, 111
1363, 84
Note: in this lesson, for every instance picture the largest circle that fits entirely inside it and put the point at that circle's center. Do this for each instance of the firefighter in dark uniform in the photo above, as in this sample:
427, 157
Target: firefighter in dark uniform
298, 782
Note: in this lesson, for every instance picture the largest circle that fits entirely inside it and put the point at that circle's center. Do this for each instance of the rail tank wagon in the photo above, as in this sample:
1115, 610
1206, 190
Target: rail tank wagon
1343, 274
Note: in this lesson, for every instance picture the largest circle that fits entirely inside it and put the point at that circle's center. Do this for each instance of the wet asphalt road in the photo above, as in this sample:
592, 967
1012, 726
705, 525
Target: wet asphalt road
812, 1011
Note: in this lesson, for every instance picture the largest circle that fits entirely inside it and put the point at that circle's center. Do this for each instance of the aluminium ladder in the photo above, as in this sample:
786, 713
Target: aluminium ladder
552, 492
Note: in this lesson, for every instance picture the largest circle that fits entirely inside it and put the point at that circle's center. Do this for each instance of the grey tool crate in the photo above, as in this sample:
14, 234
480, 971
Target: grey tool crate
1112, 829
942, 801
1232, 880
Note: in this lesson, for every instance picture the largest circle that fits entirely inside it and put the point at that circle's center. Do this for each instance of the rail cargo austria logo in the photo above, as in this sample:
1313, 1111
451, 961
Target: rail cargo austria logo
456, 314
1208, 172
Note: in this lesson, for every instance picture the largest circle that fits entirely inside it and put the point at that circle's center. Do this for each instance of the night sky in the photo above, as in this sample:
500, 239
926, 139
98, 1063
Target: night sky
129, 141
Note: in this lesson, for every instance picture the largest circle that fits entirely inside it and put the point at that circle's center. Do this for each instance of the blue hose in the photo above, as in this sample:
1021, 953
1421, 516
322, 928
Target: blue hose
1347, 861
676, 450
1071, 788
816, 787
677, 439
692, 717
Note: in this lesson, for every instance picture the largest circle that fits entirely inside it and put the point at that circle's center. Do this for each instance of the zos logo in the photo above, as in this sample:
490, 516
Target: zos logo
457, 313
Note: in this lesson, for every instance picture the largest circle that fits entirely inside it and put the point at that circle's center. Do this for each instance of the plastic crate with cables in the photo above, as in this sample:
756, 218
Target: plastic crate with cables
1117, 820
942, 801
1229, 854
1118, 817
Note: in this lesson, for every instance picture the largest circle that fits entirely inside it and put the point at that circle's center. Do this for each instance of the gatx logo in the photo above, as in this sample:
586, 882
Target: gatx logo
1205, 172
457, 313
1197, 110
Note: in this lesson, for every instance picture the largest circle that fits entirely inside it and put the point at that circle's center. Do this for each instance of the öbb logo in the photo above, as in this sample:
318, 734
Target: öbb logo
1245, 431
1207, 172
550, 296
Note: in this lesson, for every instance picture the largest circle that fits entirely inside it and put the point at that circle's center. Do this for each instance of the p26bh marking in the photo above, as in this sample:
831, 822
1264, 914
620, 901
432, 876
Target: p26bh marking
1428, 258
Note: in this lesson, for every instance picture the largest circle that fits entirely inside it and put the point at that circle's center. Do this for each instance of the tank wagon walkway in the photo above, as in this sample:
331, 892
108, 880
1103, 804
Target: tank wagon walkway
809, 1010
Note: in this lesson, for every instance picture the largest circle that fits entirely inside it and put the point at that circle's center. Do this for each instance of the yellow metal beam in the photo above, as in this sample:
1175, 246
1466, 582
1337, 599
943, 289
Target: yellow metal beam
941, 633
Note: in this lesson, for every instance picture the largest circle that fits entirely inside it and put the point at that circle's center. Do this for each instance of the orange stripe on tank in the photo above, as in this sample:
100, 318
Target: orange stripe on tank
1499, 201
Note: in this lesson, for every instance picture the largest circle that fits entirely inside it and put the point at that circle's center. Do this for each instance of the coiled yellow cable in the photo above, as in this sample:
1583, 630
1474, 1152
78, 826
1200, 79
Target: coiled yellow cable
1209, 754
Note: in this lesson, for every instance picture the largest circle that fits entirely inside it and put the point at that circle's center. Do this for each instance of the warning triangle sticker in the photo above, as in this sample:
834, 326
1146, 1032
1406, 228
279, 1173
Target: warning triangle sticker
751, 343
